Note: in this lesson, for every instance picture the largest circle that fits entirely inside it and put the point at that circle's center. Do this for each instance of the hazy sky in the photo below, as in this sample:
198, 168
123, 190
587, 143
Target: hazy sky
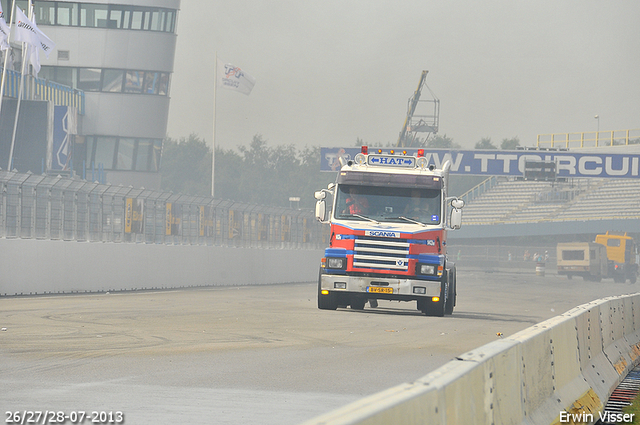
332, 71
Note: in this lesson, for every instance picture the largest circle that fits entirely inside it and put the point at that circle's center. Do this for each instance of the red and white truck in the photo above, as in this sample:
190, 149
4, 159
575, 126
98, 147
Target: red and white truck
389, 220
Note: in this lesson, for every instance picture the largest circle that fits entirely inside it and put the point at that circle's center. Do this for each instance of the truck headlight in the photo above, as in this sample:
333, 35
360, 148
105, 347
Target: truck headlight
428, 269
336, 263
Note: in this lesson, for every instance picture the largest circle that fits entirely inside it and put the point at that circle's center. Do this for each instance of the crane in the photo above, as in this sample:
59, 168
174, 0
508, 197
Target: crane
419, 122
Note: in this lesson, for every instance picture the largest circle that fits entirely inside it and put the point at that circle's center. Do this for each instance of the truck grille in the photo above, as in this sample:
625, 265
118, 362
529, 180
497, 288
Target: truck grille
379, 253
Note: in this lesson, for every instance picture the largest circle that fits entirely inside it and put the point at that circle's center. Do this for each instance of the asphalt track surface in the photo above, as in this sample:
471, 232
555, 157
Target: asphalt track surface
252, 354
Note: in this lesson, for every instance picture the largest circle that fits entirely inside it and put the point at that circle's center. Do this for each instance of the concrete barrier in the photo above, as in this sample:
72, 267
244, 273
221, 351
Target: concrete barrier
567, 365
45, 266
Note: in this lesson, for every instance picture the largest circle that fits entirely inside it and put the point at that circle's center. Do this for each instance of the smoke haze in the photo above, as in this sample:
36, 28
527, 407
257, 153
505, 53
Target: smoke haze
330, 72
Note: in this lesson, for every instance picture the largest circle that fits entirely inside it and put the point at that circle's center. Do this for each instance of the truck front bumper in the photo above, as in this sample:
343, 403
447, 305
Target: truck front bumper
380, 287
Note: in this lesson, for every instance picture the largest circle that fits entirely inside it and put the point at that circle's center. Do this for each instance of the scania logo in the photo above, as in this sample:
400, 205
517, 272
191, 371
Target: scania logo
382, 233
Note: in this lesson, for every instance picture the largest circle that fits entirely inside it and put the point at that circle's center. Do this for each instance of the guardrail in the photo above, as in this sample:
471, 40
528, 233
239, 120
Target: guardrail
589, 139
562, 370
479, 189
61, 208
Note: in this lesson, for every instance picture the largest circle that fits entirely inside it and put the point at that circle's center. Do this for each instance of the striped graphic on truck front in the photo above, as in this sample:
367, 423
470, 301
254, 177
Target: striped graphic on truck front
379, 253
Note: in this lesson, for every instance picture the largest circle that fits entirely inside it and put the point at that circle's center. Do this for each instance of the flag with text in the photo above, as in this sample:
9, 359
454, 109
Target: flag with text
29, 33
233, 78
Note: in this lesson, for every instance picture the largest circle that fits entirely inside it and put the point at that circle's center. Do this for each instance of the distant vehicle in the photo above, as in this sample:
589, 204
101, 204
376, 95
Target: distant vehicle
586, 259
621, 253
612, 255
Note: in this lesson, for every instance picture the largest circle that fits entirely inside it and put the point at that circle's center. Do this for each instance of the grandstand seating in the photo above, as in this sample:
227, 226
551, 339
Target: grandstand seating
518, 201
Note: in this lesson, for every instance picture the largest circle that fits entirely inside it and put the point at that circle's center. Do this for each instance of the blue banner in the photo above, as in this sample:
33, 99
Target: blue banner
64, 128
509, 163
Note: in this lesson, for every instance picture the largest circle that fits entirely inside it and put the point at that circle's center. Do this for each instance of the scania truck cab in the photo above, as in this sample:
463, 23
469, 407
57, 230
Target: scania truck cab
388, 237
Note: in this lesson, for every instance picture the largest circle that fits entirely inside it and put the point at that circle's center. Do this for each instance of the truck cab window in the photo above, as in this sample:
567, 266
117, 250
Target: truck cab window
389, 204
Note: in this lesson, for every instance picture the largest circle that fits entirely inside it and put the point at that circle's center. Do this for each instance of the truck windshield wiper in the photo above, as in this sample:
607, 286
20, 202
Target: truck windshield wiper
412, 221
364, 217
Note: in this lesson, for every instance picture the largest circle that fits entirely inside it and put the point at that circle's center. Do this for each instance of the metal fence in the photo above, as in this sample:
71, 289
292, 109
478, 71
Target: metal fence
590, 139
46, 207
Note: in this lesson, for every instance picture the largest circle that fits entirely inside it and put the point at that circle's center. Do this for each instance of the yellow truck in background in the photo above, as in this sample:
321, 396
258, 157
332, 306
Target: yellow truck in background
612, 255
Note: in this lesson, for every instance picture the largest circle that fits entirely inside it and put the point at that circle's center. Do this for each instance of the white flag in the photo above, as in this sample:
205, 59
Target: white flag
29, 33
34, 59
233, 78
24, 29
46, 44
4, 31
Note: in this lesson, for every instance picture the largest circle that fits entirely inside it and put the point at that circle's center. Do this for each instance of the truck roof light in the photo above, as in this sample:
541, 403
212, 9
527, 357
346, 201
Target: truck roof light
392, 151
404, 152
379, 150
420, 152
364, 149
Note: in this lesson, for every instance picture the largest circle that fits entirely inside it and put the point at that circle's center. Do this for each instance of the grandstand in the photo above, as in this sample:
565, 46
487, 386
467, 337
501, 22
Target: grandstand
513, 201
505, 218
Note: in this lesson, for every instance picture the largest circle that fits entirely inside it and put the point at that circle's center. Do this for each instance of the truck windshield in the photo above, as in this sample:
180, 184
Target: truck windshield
390, 204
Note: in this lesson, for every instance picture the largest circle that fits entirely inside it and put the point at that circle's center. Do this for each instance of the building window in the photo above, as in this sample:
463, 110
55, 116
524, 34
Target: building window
117, 16
163, 86
109, 80
102, 15
112, 80
151, 82
89, 79
93, 15
133, 82
122, 153
137, 19
67, 13
105, 151
66, 76
156, 155
143, 154
125, 153
45, 13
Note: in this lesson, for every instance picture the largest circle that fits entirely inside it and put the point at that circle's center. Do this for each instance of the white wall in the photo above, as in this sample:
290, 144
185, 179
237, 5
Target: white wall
43, 266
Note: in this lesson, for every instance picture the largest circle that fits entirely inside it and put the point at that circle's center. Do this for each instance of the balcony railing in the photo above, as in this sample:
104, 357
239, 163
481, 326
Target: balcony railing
40, 89
589, 139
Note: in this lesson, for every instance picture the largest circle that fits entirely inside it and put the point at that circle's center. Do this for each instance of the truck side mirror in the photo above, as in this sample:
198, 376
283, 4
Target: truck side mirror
457, 204
455, 221
321, 210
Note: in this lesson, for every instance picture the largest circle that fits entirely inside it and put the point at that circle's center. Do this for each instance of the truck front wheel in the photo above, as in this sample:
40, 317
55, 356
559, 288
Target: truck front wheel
451, 294
431, 308
434, 308
326, 301
358, 303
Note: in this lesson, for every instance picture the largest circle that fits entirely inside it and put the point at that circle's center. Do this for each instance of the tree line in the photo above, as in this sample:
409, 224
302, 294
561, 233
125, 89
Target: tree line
256, 174
270, 175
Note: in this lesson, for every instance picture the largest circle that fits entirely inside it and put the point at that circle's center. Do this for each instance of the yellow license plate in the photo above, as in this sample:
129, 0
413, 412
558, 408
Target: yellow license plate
379, 290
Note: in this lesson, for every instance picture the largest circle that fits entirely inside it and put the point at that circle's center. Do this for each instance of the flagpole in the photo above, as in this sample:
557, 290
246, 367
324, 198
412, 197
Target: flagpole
15, 123
6, 56
213, 140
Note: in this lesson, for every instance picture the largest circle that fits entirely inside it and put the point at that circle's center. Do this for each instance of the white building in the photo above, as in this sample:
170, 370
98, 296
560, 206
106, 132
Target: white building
121, 54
